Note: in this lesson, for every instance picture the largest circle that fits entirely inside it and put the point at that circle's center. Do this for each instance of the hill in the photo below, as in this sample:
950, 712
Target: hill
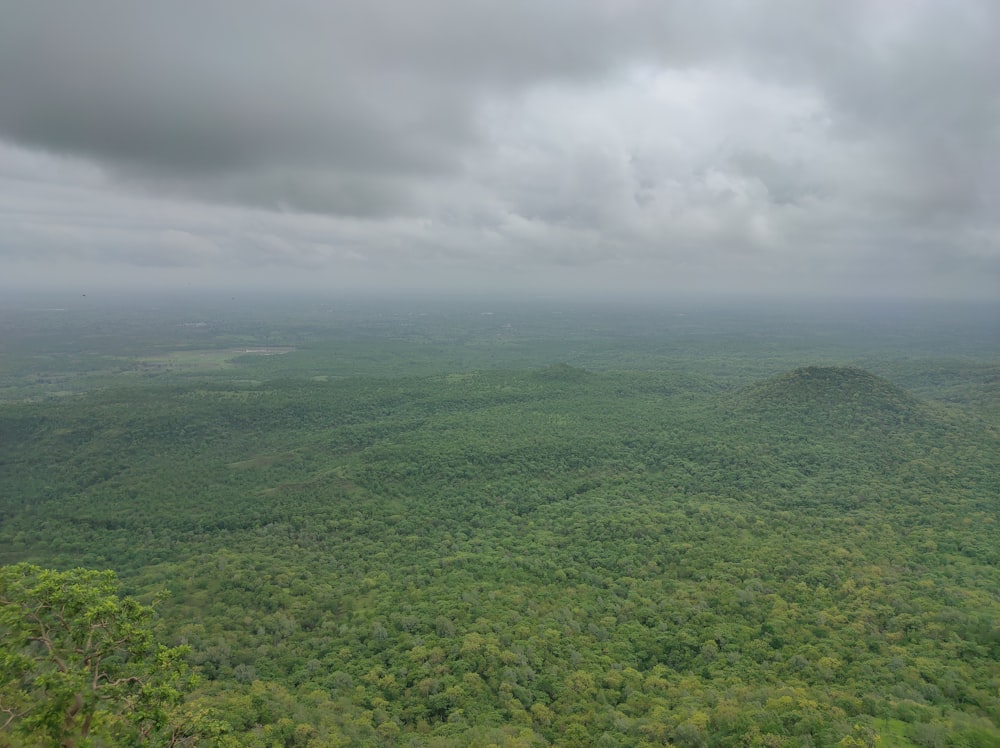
832, 396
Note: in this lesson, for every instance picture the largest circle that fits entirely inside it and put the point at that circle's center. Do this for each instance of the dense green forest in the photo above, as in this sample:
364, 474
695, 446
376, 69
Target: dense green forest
517, 525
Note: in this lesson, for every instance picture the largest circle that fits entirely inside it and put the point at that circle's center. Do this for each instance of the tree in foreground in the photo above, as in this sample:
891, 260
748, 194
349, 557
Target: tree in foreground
79, 665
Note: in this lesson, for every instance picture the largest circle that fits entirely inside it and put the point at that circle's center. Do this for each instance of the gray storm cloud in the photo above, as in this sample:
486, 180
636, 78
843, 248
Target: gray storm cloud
767, 143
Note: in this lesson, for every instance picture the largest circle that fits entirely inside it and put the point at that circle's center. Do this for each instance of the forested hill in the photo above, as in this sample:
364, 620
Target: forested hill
834, 398
549, 556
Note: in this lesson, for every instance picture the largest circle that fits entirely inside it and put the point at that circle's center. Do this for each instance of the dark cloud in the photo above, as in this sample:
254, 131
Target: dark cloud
674, 137
209, 87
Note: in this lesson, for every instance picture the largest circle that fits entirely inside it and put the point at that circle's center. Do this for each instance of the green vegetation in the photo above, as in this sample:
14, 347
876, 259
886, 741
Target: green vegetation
78, 664
611, 532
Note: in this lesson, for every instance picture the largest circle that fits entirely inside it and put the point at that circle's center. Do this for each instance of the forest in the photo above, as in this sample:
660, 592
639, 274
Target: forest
387, 523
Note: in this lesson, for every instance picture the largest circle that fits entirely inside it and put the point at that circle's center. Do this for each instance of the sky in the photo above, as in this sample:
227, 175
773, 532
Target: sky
773, 147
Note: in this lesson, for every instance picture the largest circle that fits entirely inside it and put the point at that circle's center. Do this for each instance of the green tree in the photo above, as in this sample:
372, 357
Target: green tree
79, 664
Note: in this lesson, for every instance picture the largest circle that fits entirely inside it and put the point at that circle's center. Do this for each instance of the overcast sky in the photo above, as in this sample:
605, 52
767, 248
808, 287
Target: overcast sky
841, 147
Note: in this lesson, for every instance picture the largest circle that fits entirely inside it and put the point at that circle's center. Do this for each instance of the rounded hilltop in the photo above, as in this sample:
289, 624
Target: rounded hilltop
831, 395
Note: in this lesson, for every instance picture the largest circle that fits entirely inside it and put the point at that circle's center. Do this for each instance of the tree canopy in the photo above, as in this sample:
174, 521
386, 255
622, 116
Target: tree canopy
424, 531
79, 662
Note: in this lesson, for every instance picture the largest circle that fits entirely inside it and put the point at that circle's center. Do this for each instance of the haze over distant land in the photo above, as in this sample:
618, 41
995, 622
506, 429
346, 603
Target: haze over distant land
717, 147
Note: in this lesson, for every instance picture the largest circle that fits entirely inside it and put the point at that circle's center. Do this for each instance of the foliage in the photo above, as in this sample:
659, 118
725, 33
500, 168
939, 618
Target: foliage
79, 662
429, 531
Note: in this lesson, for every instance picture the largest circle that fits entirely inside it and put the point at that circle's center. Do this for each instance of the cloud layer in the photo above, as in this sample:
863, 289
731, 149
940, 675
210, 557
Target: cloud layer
836, 147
